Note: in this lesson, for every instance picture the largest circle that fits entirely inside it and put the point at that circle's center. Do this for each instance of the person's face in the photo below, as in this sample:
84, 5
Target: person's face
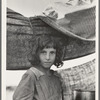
47, 57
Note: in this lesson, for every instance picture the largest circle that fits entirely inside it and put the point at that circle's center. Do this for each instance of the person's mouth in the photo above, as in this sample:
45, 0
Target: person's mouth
47, 62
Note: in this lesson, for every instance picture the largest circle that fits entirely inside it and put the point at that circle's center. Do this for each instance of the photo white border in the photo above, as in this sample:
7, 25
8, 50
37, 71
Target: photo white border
3, 50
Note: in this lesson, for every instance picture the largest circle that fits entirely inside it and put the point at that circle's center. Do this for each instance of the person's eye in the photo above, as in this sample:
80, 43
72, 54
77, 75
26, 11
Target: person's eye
43, 52
53, 52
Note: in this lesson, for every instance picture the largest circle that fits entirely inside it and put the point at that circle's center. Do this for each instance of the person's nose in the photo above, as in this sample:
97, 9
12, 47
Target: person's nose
48, 56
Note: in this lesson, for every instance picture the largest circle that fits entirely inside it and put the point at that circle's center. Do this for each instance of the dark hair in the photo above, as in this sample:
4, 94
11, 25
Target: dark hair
38, 43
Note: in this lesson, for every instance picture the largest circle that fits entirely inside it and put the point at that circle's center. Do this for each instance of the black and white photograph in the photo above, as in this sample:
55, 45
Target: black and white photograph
51, 50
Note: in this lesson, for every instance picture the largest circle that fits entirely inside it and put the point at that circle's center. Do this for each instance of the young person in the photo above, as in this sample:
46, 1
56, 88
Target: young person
40, 82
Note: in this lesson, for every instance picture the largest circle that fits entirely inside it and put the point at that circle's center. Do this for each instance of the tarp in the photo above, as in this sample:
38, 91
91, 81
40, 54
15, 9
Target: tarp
19, 32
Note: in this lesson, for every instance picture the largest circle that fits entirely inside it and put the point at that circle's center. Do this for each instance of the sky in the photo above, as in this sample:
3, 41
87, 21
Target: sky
29, 7
32, 7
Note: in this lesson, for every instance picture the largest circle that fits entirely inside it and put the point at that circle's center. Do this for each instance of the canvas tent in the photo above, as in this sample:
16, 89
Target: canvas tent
19, 31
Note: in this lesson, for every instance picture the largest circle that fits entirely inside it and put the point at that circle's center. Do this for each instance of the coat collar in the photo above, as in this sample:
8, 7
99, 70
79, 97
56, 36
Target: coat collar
39, 73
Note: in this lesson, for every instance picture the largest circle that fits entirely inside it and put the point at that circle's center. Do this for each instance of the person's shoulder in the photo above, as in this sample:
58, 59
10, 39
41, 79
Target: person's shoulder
34, 72
56, 74
29, 74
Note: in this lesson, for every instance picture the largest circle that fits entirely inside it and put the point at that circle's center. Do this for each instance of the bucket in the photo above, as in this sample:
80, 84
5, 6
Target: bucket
83, 95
